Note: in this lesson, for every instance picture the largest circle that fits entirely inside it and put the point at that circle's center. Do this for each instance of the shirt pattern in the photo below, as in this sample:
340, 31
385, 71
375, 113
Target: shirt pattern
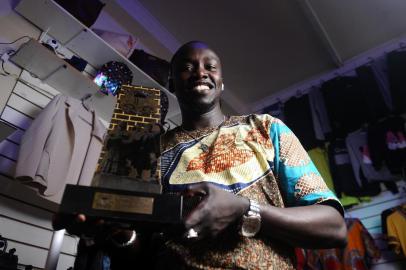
255, 156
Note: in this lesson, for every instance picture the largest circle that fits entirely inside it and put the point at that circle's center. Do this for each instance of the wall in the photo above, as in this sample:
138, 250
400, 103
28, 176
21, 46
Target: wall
359, 25
25, 218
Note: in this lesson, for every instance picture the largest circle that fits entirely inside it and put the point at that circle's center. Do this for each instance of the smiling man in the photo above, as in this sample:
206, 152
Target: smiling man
199, 94
262, 195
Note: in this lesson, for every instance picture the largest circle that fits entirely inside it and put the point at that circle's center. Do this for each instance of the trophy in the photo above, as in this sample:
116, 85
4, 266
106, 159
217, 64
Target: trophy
126, 187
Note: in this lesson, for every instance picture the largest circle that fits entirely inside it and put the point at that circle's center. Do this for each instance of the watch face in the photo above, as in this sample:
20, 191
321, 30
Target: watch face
250, 226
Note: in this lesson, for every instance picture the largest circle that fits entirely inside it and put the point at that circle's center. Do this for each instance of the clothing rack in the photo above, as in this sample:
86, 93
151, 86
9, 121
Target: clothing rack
348, 66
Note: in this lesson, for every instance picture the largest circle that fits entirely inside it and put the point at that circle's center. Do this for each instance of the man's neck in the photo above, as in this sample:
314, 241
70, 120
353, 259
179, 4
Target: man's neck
212, 118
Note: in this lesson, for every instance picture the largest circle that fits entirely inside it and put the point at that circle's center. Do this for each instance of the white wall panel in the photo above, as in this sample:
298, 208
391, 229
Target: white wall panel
378, 203
21, 232
65, 261
32, 95
372, 222
69, 244
396, 265
24, 106
38, 85
7, 83
16, 118
12, 26
7, 166
25, 212
9, 149
16, 136
29, 255
375, 230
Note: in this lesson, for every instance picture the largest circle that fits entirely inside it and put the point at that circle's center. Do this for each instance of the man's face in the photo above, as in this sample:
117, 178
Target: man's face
197, 78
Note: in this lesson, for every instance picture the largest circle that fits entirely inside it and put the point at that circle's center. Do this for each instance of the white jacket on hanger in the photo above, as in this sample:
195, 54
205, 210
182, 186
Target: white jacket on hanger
61, 146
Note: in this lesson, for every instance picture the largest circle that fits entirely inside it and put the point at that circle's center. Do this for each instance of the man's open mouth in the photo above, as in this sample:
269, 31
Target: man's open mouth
200, 86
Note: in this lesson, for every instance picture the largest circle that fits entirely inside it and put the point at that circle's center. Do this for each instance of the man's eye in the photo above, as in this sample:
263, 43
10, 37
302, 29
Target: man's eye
187, 67
211, 67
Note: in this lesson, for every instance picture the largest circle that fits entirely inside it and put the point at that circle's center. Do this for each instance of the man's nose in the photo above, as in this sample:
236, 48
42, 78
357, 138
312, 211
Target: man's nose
201, 72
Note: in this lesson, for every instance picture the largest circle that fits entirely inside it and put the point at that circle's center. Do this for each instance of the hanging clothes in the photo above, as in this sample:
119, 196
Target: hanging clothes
380, 69
387, 144
343, 174
346, 104
320, 160
61, 146
396, 230
384, 216
358, 254
396, 70
319, 157
357, 145
376, 107
321, 122
361, 249
298, 117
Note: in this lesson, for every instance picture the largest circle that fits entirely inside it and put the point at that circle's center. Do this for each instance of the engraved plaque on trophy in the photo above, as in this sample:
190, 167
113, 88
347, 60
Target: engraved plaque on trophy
140, 209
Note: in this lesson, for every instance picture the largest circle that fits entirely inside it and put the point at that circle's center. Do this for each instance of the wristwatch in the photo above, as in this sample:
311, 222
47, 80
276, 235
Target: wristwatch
251, 221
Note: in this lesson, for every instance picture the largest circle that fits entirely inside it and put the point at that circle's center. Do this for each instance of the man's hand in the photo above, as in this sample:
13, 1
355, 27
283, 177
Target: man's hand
80, 225
216, 211
77, 224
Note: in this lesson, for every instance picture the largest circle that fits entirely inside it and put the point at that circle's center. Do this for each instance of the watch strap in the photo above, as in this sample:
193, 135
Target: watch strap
251, 220
254, 209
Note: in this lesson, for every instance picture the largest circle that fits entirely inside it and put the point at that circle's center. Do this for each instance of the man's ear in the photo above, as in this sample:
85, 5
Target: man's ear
170, 85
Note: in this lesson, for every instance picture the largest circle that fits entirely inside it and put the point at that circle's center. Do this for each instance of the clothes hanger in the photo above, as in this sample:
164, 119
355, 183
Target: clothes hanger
86, 97
87, 101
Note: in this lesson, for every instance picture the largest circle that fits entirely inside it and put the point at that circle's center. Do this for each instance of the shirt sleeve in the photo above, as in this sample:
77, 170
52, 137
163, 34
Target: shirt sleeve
301, 183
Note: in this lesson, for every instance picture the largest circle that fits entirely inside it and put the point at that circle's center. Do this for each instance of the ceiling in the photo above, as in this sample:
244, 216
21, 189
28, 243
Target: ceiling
265, 46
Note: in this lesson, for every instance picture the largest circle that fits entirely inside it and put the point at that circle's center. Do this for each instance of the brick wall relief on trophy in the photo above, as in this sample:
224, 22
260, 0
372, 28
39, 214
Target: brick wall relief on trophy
132, 147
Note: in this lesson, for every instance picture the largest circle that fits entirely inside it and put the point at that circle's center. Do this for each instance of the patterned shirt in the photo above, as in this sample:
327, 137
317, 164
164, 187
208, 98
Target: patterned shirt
255, 156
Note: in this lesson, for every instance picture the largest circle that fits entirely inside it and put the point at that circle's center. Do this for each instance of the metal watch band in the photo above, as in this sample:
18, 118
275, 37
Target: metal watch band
251, 220
254, 209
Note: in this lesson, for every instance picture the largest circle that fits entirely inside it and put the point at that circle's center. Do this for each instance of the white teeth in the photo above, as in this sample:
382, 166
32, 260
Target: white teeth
201, 87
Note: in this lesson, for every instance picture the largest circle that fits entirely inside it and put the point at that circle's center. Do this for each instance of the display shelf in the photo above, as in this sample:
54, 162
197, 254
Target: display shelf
47, 16
54, 71
73, 35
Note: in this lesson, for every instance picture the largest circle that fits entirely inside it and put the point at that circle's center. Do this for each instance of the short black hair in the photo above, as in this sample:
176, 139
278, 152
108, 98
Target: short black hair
182, 48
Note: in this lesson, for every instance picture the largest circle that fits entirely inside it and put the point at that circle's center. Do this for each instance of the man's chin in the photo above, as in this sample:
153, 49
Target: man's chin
200, 106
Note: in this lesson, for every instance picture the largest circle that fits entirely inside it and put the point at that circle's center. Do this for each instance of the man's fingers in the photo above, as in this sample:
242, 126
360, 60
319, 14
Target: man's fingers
197, 215
200, 189
80, 218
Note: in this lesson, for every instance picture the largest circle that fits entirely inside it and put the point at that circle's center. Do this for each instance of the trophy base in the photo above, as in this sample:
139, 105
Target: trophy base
141, 210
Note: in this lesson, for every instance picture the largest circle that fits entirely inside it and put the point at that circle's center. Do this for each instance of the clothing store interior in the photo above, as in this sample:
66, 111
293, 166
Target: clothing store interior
85, 98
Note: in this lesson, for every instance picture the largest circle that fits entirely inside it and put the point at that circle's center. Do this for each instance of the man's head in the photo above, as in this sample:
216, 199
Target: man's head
196, 77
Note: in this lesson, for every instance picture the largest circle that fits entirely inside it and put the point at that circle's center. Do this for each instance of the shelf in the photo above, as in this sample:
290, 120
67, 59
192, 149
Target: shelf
54, 71
73, 35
